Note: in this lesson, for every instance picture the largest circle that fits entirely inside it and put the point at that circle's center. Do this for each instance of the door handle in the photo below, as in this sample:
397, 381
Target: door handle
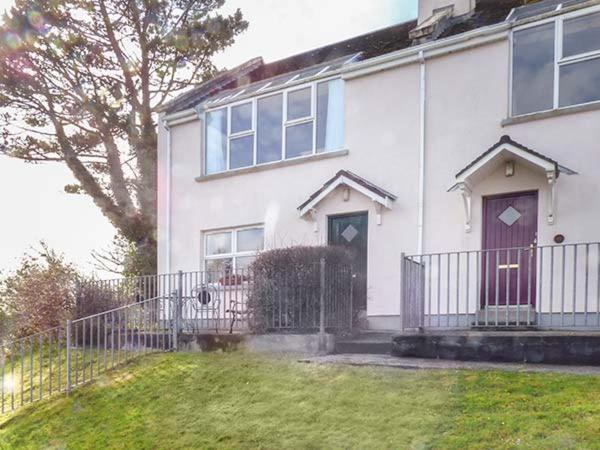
532, 248
508, 266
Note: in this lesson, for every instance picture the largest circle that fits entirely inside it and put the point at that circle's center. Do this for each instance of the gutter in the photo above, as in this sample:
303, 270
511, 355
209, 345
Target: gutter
402, 57
445, 46
463, 41
187, 115
410, 55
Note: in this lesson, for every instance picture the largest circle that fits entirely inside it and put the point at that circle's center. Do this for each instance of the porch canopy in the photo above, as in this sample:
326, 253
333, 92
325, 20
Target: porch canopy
381, 197
504, 151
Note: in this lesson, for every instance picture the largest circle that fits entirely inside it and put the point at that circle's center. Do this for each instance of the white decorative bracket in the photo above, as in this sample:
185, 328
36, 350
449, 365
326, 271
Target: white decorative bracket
465, 193
551, 177
378, 211
313, 218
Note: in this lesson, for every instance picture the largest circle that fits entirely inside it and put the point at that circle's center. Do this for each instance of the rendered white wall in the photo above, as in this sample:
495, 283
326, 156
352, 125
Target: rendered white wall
467, 100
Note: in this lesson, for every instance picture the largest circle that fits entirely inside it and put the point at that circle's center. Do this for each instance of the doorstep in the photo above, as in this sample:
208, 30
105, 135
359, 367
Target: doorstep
523, 315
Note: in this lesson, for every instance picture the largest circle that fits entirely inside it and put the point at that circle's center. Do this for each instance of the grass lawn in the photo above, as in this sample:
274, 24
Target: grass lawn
180, 401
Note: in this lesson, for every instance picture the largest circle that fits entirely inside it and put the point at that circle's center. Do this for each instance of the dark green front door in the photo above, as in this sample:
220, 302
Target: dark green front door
351, 231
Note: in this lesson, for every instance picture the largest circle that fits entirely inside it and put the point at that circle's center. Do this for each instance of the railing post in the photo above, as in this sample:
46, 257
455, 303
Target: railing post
322, 344
177, 312
68, 345
402, 290
351, 297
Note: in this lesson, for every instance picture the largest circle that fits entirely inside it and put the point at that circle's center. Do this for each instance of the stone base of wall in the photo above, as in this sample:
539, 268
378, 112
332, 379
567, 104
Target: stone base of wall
305, 344
210, 342
308, 344
546, 347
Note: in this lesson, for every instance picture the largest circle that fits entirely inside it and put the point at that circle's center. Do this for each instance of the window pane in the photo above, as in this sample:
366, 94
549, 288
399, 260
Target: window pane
242, 152
218, 243
241, 118
216, 268
330, 115
298, 104
268, 128
581, 35
250, 240
216, 141
298, 140
533, 69
242, 262
580, 83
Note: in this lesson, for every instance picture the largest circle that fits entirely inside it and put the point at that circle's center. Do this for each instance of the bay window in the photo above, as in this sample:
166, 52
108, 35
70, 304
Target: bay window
297, 122
556, 64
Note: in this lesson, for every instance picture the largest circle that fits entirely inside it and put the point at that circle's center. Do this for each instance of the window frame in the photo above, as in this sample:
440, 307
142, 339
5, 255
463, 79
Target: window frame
284, 124
233, 254
559, 60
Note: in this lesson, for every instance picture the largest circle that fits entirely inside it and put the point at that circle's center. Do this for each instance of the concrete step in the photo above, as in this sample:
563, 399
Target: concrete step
367, 343
507, 316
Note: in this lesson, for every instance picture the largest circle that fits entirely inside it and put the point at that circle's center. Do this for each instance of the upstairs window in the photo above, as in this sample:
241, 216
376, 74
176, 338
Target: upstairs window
297, 122
556, 64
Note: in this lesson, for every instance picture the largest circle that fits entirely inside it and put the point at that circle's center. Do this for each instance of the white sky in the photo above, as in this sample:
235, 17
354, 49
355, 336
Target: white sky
32, 200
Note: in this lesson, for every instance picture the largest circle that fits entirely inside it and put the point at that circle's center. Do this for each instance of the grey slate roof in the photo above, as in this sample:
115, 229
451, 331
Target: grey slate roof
370, 45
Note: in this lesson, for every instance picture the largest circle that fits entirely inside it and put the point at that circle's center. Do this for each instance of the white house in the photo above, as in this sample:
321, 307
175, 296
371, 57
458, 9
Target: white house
475, 127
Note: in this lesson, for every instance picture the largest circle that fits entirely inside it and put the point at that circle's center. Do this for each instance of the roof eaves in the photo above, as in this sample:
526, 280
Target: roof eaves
196, 94
355, 178
506, 139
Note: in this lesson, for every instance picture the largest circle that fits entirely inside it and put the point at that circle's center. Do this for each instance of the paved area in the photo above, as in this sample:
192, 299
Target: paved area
419, 363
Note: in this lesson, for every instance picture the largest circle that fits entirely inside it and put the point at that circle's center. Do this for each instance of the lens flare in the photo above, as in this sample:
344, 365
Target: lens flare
12, 40
36, 20
9, 384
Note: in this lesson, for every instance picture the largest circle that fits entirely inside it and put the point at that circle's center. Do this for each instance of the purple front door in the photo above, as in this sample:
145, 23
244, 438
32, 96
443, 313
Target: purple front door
509, 238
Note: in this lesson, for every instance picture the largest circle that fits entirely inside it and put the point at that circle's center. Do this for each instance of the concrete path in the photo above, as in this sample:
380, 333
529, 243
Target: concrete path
419, 363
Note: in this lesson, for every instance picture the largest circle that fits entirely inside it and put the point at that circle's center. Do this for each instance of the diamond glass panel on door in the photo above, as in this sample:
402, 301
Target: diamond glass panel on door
509, 216
349, 233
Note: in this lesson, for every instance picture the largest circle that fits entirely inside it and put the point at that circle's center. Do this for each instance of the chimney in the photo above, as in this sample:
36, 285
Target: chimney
435, 15
459, 7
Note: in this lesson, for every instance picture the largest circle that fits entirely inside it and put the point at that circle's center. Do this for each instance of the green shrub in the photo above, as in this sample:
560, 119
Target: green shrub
286, 287
39, 294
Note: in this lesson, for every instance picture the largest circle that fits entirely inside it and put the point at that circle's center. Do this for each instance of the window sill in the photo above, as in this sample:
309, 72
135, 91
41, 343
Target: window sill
273, 165
553, 113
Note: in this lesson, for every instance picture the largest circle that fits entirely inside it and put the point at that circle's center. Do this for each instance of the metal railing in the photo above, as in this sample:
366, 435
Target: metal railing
60, 359
554, 286
148, 314
230, 300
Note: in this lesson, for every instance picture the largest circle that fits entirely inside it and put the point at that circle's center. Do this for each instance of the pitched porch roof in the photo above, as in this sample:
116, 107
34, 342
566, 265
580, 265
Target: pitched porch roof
504, 150
351, 180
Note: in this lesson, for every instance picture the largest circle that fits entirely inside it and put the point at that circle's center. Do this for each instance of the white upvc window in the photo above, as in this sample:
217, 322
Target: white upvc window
556, 63
227, 251
295, 122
